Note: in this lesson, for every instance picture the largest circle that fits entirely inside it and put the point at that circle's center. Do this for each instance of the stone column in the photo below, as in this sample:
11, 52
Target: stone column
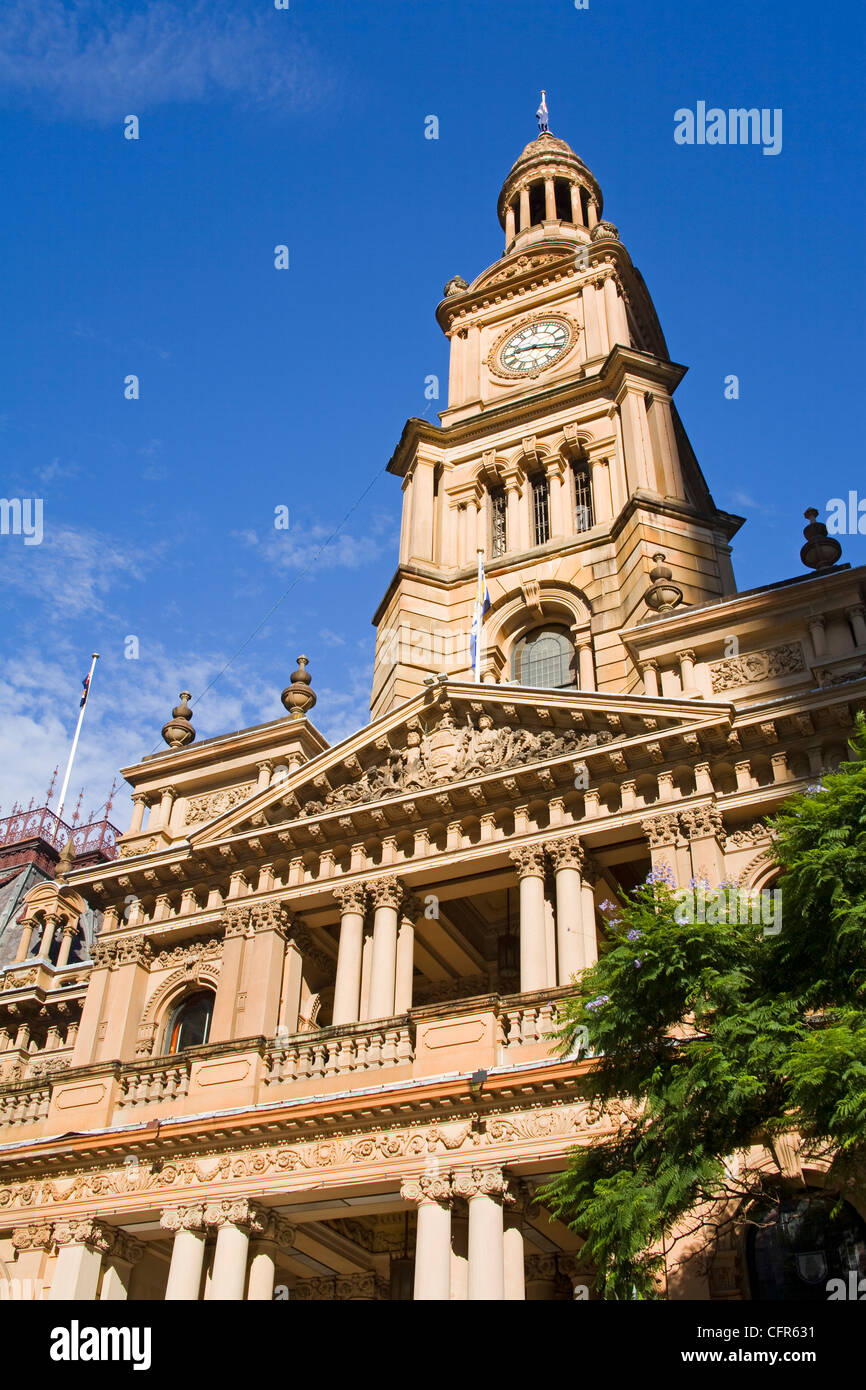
592, 213
347, 991
687, 672
484, 1189
119, 1265
549, 201
857, 618
68, 936
235, 1222
509, 225
576, 209
47, 935
25, 942
662, 832
530, 864
405, 966
187, 1251
264, 770
387, 896
587, 895
433, 1238
819, 636
139, 806
513, 538
279, 1235
514, 1252
524, 208
650, 672
459, 1256
166, 801
586, 665
559, 509
567, 856
82, 1245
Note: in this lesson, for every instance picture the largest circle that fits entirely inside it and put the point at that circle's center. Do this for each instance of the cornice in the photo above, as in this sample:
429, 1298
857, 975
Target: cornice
543, 402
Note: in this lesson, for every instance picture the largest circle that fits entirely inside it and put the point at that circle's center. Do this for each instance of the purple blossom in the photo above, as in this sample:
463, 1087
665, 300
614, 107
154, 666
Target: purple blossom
664, 874
607, 905
637, 963
633, 935
597, 1003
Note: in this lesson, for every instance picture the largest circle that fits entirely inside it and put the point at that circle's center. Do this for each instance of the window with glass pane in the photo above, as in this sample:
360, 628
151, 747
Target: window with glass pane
544, 659
498, 514
189, 1025
540, 510
583, 518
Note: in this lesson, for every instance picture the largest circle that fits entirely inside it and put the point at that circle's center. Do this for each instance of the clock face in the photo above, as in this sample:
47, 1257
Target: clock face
535, 346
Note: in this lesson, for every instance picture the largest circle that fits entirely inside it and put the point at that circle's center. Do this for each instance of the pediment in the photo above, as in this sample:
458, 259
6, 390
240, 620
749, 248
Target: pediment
460, 736
524, 264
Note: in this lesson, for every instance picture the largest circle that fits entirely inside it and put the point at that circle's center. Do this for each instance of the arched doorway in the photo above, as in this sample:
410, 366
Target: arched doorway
797, 1246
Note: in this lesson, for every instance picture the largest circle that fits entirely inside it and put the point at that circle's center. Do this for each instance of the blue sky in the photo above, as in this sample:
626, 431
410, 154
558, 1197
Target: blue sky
262, 388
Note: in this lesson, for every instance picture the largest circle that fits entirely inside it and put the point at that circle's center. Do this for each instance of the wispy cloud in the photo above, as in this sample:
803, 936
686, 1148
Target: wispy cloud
97, 60
309, 545
72, 571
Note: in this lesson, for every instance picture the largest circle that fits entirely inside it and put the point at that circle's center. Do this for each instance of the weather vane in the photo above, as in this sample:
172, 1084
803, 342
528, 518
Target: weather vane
541, 114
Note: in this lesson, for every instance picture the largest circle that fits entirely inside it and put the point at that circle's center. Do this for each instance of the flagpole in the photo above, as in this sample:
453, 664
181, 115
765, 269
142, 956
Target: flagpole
479, 600
59, 811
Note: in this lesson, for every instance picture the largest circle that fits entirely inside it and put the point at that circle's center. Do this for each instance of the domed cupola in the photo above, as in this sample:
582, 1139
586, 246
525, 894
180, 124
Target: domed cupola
548, 192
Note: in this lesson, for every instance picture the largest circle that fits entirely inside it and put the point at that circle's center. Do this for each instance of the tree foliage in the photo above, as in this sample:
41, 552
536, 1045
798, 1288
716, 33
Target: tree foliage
716, 1035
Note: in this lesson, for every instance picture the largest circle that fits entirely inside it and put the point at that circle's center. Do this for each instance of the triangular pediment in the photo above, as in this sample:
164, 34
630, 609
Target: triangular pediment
457, 737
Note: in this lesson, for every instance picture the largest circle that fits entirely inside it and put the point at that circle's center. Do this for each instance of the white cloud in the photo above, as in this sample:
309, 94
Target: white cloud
99, 60
313, 546
72, 571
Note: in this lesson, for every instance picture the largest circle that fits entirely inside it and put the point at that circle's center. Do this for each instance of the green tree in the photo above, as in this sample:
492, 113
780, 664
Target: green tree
711, 1036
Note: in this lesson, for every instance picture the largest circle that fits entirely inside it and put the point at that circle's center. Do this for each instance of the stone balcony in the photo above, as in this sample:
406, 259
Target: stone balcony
43, 1096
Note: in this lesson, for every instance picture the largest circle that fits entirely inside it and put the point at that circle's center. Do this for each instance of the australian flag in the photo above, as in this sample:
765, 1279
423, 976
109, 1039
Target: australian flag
482, 603
542, 113
86, 685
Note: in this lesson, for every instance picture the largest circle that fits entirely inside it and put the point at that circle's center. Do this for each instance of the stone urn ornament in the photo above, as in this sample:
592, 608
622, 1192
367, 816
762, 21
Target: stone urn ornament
298, 697
821, 552
662, 596
178, 732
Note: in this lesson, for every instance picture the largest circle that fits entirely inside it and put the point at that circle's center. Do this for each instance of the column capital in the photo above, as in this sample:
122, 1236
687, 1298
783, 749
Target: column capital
387, 892
650, 664
39, 1236
266, 765
169, 791
480, 1182
567, 853
127, 1248
660, 830
182, 1218
427, 1188
700, 822
529, 860
96, 1235
240, 1212
139, 799
351, 898
687, 655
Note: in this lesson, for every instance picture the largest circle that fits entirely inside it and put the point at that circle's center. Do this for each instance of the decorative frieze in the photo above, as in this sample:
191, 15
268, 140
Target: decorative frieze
784, 660
212, 804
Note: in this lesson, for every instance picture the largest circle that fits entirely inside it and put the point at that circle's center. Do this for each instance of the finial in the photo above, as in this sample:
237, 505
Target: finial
178, 732
297, 697
821, 552
662, 596
50, 792
67, 858
542, 113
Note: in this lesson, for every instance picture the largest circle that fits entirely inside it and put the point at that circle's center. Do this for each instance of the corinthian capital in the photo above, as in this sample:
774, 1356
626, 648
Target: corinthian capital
529, 861
96, 1235
37, 1237
429, 1188
387, 892
702, 821
660, 830
567, 853
239, 1211
478, 1182
352, 898
182, 1219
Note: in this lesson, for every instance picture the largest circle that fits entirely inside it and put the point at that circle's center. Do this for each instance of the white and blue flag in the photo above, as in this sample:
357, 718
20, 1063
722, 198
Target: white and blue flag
482, 603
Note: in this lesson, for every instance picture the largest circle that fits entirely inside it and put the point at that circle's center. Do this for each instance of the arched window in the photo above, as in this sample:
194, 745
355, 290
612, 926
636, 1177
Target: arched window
795, 1248
544, 659
189, 1024
583, 513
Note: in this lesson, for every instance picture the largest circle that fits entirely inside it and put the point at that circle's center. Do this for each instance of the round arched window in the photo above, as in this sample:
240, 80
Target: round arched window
798, 1246
189, 1024
544, 659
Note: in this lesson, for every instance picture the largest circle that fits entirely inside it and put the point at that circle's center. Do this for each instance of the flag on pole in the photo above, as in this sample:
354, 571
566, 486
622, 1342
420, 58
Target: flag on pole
542, 113
86, 684
482, 603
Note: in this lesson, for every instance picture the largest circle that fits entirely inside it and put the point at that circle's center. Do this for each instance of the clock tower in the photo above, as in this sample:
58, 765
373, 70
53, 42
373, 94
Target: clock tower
560, 457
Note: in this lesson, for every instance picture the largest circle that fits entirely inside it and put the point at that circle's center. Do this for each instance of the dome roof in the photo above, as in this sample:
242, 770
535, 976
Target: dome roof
545, 152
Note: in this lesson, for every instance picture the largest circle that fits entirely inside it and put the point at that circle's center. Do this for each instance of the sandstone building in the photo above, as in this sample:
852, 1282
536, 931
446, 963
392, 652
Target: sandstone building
310, 1050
